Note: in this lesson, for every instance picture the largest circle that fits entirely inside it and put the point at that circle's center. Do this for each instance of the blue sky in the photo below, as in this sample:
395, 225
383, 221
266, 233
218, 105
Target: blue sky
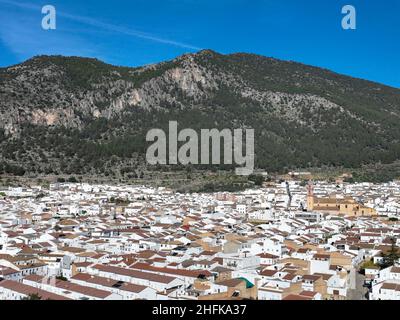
138, 32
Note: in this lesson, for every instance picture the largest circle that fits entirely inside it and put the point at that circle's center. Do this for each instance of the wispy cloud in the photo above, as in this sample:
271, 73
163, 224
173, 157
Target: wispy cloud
106, 26
126, 31
23, 36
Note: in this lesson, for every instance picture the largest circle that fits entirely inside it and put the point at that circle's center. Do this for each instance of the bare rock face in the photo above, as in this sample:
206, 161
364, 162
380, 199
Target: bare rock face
58, 91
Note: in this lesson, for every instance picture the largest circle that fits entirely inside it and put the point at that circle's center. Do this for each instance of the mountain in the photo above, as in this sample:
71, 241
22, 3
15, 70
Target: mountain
72, 115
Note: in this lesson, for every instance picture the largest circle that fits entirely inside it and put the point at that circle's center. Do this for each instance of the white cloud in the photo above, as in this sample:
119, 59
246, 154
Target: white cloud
99, 24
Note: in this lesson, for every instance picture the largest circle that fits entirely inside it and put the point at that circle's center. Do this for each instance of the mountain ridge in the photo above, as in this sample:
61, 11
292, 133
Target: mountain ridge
93, 114
203, 51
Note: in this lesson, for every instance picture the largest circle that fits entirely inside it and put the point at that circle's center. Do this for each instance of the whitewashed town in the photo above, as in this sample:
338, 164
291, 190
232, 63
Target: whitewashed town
286, 240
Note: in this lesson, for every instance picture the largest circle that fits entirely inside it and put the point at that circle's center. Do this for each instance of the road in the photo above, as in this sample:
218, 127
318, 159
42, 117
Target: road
289, 195
356, 290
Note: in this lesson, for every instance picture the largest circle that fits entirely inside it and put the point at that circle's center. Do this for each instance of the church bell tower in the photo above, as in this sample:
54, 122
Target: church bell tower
310, 196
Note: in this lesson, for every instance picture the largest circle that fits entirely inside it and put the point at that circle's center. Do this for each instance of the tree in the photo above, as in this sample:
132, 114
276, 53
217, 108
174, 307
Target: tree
392, 256
62, 278
303, 183
367, 265
72, 180
32, 296
257, 179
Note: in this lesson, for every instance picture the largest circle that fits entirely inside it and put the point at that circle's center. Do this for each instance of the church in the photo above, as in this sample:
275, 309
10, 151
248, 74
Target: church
337, 206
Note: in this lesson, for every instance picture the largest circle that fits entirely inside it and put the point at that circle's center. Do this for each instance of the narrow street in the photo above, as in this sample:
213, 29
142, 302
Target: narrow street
356, 290
289, 195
